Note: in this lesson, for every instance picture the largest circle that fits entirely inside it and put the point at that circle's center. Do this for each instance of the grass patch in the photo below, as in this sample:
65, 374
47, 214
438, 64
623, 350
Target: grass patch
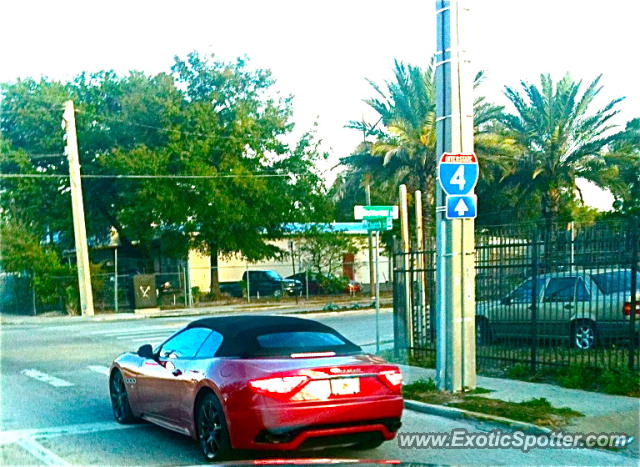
537, 411
618, 381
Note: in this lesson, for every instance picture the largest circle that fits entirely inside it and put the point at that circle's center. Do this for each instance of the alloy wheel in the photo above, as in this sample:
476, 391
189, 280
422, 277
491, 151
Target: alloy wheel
118, 397
210, 430
584, 336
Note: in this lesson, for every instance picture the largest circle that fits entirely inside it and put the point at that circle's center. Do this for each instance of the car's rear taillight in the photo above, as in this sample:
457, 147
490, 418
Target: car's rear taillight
392, 378
278, 386
627, 308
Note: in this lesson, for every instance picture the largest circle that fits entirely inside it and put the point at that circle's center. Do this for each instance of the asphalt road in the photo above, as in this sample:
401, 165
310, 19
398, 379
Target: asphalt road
55, 408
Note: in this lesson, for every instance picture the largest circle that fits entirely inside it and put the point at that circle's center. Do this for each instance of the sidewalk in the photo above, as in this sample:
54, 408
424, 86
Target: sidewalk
603, 413
312, 306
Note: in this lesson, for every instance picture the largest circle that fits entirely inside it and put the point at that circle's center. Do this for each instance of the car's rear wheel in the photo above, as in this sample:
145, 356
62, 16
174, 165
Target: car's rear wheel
584, 335
120, 399
213, 434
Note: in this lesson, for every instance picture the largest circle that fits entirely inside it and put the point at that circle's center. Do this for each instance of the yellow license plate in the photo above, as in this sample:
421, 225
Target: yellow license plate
343, 386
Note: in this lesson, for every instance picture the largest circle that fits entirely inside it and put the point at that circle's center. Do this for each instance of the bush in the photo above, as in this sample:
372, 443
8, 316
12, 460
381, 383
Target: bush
333, 284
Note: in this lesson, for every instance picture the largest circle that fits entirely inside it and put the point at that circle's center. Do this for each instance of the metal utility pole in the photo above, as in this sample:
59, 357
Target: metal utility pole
77, 206
407, 319
115, 278
455, 288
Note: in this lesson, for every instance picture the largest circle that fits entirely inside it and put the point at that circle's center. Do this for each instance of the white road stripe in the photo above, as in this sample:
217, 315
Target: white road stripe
13, 436
147, 341
99, 369
140, 336
117, 332
41, 453
45, 378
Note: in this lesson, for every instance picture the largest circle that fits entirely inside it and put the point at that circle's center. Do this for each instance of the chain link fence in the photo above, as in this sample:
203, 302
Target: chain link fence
187, 284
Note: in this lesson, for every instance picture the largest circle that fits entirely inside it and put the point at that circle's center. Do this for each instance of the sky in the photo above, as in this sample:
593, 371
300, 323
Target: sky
322, 51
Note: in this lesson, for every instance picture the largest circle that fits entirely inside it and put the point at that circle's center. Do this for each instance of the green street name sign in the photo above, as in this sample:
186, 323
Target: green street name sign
378, 223
373, 212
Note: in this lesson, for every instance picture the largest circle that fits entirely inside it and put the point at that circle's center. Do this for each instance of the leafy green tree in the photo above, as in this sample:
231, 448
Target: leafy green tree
404, 150
623, 171
561, 138
220, 122
322, 251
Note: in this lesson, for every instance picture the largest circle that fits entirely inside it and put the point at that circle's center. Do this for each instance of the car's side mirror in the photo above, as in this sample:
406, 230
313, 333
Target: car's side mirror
146, 351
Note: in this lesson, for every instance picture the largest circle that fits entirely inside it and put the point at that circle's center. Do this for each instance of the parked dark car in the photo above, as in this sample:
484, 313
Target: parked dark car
315, 287
581, 306
262, 284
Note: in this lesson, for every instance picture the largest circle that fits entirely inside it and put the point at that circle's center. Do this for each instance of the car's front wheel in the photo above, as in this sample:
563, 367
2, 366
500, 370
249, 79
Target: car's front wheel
213, 434
584, 335
119, 399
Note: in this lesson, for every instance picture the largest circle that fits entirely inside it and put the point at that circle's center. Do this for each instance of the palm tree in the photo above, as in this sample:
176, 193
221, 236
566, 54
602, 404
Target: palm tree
404, 150
560, 139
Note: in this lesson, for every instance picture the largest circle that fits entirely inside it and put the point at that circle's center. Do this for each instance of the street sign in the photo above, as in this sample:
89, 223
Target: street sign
378, 224
458, 173
368, 212
462, 207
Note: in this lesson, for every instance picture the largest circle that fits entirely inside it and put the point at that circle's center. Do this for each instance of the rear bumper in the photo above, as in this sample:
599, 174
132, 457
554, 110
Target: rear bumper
287, 427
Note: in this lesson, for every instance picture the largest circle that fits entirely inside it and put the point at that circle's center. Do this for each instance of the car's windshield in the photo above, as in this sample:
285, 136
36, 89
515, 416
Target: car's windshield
274, 275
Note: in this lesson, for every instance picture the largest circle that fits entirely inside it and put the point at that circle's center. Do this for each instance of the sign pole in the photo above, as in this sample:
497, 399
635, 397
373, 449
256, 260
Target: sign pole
377, 278
455, 284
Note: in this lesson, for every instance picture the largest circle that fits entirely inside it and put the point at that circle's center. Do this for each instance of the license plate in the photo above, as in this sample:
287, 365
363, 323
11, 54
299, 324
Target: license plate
343, 386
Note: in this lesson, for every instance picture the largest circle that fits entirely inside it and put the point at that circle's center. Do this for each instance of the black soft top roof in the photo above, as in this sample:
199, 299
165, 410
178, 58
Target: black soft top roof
240, 334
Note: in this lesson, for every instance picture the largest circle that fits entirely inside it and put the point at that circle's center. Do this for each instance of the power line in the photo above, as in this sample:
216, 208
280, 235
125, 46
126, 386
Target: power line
129, 176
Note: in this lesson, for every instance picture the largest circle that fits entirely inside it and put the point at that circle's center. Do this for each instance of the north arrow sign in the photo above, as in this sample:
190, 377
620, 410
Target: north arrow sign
461, 207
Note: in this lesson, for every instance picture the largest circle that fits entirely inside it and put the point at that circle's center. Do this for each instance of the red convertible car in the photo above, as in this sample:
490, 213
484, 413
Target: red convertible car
260, 382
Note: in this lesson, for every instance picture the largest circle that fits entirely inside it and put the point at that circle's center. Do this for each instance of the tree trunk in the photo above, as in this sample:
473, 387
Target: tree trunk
215, 279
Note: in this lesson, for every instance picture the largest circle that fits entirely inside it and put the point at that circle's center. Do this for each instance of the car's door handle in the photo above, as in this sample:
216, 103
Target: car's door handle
176, 372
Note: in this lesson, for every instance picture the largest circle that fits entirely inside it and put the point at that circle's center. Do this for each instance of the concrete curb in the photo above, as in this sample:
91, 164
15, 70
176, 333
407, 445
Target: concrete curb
455, 413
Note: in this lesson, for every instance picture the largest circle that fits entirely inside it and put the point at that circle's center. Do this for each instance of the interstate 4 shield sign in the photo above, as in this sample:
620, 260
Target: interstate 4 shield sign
458, 173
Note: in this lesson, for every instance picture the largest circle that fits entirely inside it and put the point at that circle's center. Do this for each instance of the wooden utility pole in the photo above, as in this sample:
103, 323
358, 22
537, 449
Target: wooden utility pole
77, 206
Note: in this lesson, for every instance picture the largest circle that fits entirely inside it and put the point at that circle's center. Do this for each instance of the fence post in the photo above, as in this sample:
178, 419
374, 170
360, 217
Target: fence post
534, 301
633, 339
33, 294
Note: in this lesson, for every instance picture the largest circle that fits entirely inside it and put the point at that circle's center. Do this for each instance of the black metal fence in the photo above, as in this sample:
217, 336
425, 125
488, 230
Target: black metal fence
544, 296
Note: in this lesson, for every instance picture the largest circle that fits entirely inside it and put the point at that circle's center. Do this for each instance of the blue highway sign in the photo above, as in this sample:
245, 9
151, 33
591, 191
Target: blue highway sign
462, 207
458, 173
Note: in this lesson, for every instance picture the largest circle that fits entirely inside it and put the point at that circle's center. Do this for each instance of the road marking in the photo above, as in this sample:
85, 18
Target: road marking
137, 337
45, 378
147, 341
118, 332
41, 453
13, 436
99, 369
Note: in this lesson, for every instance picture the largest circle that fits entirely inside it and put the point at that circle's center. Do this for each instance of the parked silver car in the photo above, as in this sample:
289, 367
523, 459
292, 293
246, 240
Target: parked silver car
583, 306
